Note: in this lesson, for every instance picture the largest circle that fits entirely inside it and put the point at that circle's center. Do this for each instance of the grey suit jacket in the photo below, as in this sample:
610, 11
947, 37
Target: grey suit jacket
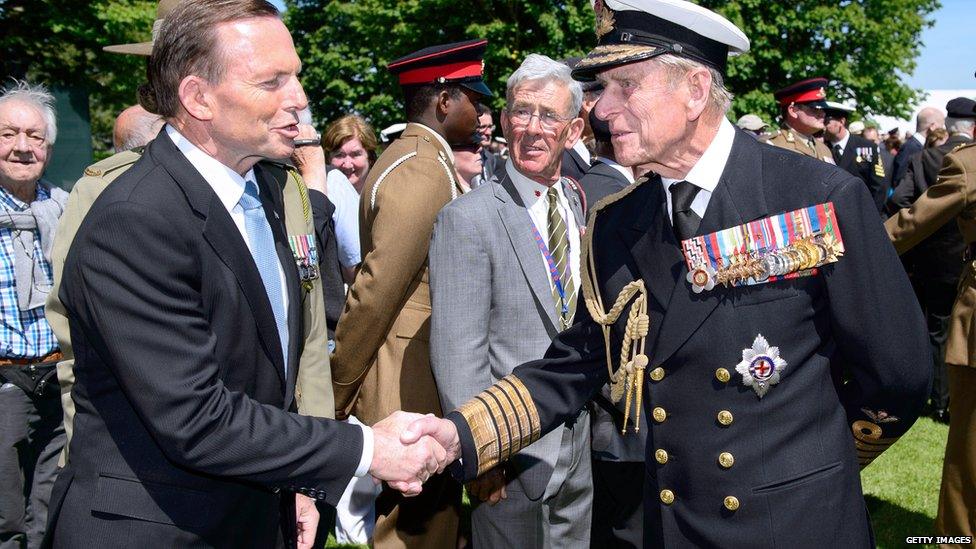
493, 310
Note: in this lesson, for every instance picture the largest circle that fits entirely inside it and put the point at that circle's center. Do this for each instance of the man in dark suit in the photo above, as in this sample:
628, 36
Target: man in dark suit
854, 154
927, 119
183, 297
938, 260
606, 176
764, 396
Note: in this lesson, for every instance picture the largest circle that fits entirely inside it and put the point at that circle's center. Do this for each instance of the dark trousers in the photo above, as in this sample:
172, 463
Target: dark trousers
936, 299
618, 505
31, 439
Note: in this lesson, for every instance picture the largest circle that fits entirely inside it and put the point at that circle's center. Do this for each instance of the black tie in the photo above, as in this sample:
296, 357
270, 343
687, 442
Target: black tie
683, 218
838, 152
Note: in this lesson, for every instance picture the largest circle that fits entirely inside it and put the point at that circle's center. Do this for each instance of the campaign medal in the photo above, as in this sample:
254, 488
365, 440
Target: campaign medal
306, 256
761, 366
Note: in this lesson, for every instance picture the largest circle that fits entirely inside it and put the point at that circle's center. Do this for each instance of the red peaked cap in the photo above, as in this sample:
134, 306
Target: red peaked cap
812, 91
458, 63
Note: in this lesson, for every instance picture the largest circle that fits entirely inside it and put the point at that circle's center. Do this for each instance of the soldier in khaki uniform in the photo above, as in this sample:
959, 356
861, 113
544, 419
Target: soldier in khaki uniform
802, 109
382, 359
953, 197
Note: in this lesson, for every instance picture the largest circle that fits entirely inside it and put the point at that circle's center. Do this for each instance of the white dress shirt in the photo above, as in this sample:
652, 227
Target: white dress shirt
842, 143
628, 173
537, 203
707, 172
229, 187
584, 153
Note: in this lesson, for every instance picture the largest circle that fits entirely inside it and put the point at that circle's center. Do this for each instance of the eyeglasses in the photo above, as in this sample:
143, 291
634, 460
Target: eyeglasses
484, 127
8, 136
548, 120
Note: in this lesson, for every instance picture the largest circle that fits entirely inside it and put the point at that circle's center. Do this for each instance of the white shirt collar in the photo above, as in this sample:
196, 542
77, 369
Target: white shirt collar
626, 172
440, 139
843, 142
530, 191
581, 150
227, 183
919, 137
705, 174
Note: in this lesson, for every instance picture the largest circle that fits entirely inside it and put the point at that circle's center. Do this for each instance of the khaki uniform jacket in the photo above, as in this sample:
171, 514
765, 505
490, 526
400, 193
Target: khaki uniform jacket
790, 139
313, 390
382, 360
952, 197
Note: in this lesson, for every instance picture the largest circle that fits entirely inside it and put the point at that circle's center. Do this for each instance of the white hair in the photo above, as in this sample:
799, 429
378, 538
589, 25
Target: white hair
38, 96
677, 67
959, 125
541, 67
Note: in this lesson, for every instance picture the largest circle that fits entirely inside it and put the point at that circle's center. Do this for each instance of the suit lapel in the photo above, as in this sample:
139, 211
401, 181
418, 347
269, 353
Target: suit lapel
738, 198
846, 160
272, 197
518, 225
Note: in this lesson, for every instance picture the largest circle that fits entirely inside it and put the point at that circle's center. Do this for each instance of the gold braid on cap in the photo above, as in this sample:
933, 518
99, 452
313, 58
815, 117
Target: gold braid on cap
604, 19
629, 377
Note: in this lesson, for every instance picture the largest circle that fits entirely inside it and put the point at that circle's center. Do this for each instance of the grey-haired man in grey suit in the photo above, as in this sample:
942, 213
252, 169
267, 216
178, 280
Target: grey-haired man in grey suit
504, 275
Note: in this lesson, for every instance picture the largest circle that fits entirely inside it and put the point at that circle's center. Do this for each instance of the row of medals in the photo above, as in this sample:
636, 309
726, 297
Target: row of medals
801, 255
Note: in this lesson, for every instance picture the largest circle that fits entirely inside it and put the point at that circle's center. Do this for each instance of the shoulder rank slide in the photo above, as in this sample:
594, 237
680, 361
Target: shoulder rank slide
306, 255
783, 246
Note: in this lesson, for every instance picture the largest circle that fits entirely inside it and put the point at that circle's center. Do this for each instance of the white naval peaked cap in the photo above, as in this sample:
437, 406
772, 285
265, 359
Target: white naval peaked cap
835, 106
634, 30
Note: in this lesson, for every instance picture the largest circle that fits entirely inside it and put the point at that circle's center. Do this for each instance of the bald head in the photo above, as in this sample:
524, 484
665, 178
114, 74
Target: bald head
929, 118
135, 127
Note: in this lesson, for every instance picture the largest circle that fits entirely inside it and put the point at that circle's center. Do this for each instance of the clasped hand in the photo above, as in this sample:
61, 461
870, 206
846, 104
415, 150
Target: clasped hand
409, 448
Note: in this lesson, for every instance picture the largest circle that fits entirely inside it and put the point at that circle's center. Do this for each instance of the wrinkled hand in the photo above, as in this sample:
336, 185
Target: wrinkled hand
441, 430
306, 521
310, 160
489, 487
405, 466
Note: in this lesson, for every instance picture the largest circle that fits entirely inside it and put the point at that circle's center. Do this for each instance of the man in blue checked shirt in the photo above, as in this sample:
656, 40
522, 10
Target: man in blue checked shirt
31, 432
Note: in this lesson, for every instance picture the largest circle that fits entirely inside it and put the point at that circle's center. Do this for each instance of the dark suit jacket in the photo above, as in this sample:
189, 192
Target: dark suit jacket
573, 166
864, 166
601, 180
183, 435
909, 149
940, 256
796, 470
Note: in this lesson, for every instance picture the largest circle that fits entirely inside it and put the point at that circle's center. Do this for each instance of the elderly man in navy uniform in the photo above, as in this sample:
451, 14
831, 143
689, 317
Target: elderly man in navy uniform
748, 293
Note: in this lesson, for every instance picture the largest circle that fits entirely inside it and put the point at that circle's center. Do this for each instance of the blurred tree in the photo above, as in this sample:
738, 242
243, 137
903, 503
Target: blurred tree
863, 46
345, 46
59, 43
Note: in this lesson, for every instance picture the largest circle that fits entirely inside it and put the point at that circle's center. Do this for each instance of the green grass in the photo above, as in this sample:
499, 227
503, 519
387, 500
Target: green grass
901, 487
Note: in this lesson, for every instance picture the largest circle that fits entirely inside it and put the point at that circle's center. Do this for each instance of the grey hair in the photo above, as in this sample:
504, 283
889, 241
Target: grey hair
541, 67
959, 125
38, 96
677, 67
143, 131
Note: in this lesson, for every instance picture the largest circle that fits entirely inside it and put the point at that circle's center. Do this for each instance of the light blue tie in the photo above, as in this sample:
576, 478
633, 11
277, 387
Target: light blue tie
263, 251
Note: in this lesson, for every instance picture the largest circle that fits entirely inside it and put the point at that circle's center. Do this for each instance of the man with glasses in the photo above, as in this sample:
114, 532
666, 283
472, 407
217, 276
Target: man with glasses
31, 434
517, 240
802, 111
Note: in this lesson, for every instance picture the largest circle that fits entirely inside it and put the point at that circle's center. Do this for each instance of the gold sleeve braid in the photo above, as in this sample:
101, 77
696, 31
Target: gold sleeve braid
868, 441
503, 419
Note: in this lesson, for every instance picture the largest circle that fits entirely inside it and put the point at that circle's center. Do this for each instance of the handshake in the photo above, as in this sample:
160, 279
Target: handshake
409, 448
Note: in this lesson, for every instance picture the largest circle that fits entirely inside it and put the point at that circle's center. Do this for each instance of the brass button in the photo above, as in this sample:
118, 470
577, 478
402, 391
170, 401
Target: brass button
726, 460
661, 456
659, 414
731, 502
722, 375
667, 497
657, 374
725, 417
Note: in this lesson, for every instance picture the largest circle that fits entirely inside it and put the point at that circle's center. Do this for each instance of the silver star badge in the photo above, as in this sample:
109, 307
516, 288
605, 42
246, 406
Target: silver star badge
760, 366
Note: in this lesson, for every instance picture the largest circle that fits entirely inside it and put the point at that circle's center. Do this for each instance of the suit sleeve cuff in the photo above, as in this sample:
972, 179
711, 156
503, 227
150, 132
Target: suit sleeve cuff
367, 458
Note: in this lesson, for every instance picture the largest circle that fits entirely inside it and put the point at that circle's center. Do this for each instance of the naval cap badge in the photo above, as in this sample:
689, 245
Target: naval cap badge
761, 366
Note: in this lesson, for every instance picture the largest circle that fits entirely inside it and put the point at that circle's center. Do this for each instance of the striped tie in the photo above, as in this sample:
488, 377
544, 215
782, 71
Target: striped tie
559, 249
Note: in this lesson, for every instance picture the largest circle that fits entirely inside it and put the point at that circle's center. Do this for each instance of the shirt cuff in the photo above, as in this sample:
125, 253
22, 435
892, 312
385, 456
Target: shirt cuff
367, 459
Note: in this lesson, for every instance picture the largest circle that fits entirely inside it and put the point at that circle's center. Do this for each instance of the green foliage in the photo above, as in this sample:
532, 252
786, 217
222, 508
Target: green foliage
346, 45
59, 43
863, 46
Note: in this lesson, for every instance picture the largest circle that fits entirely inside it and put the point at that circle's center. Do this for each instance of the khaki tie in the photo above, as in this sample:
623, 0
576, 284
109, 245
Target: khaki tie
559, 249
